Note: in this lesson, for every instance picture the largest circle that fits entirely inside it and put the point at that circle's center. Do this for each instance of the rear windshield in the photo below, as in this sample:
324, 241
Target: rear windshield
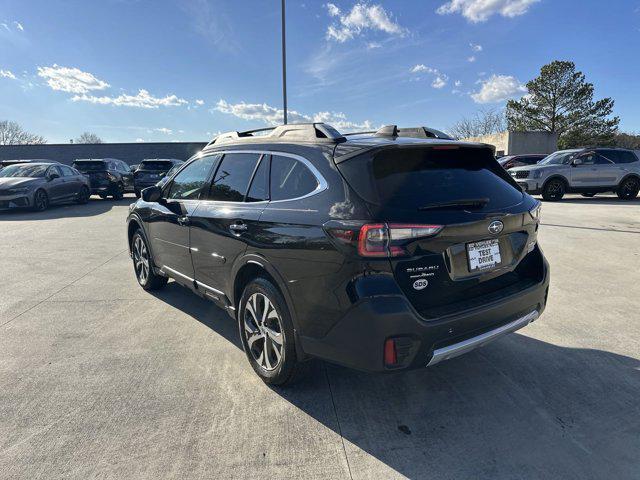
155, 165
412, 179
89, 166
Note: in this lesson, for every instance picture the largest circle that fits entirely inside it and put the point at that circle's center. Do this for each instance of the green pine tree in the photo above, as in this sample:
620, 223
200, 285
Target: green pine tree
560, 100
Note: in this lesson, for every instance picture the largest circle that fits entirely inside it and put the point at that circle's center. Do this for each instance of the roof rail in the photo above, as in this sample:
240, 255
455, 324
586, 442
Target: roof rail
413, 132
304, 132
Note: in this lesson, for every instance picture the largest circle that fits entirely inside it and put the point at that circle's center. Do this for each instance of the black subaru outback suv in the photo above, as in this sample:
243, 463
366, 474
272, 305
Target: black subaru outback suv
380, 251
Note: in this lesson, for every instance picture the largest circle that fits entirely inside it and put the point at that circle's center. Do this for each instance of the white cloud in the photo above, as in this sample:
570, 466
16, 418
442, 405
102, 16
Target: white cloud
143, 99
273, 116
421, 68
199, 102
139, 140
475, 47
19, 26
373, 45
5, 26
71, 80
471, 59
480, 10
166, 131
439, 80
361, 17
498, 88
333, 10
7, 74
457, 83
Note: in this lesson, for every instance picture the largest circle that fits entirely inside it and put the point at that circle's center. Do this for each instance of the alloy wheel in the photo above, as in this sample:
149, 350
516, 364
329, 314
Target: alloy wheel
40, 200
141, 260
263, 331
629, 188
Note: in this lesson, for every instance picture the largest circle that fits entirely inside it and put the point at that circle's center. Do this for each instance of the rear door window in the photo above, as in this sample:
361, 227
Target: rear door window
619, 156
411, 179
66, 171
231, 181
290, 178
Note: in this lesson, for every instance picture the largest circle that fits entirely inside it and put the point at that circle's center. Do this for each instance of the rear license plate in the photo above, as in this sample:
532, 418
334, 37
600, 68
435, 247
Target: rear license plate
483, 255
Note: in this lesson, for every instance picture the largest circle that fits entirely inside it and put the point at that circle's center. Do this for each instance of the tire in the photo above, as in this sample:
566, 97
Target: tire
143, 264
103, 196
554, 190
588, 195
118, 192
628, 188
40, 201
137, 193
83, 195
269, 329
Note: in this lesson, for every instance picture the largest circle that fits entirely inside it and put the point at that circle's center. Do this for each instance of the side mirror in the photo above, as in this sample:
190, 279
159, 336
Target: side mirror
53, 176
576, 162
152, 194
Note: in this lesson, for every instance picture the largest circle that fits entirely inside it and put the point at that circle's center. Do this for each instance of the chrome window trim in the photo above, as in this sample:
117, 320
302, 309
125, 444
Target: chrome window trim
322, 183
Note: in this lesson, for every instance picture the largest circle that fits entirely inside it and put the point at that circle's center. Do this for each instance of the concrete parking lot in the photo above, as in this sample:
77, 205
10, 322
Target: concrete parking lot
99, 379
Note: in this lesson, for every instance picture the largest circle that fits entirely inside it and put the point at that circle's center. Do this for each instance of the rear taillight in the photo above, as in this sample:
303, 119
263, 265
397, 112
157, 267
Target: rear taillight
381, 240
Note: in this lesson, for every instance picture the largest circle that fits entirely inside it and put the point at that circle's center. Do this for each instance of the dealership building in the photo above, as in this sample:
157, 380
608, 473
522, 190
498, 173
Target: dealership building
131, 153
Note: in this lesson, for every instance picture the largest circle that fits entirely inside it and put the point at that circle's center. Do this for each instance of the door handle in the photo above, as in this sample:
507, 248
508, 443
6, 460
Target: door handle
183, 221
238, 227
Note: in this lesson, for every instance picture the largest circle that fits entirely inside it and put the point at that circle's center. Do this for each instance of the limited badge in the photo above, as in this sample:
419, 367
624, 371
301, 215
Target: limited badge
420, 284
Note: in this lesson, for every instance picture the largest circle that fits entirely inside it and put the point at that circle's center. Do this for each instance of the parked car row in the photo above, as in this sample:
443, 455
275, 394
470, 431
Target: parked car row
36, 184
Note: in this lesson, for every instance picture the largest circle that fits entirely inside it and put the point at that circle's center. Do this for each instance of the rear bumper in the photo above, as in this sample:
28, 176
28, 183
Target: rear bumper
357, 340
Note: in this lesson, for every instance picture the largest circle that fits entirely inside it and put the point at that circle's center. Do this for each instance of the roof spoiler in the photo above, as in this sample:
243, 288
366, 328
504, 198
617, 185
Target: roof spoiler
301, 132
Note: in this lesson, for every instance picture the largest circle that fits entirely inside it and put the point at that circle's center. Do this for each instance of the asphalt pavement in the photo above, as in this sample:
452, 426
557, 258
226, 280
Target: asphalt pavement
100, 379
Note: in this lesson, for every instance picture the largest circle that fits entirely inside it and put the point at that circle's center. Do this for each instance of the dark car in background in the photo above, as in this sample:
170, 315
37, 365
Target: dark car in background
37, 185
108, 176
380, 252
151, 171
511, 161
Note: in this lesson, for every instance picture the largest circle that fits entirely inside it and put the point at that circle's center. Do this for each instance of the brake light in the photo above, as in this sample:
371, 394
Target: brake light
381, 240
373, 240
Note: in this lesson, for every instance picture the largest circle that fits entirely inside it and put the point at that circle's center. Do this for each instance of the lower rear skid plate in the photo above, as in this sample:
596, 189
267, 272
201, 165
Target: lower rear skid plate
452, 351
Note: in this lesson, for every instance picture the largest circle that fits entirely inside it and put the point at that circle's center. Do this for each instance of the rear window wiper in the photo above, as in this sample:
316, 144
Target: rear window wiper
466, 203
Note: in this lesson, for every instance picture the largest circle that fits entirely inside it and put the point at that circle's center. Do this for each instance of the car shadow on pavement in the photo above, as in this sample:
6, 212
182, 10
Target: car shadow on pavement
96, 206
518, 408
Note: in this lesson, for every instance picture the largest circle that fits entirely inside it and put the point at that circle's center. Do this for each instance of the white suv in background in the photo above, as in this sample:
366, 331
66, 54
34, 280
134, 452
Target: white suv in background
586, 171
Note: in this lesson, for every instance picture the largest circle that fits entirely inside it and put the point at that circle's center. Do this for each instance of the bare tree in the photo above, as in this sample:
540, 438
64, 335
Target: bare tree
12, 133
628, 140
88, 137
483, 122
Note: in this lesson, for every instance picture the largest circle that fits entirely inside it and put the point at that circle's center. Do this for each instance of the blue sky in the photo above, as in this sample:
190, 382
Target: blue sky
183, 70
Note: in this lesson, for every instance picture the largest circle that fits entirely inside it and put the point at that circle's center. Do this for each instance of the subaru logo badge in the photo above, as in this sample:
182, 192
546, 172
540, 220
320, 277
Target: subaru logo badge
496, 227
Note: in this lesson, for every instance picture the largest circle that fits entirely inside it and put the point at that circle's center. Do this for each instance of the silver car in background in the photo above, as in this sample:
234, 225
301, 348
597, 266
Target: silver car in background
585, 171
38, 185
